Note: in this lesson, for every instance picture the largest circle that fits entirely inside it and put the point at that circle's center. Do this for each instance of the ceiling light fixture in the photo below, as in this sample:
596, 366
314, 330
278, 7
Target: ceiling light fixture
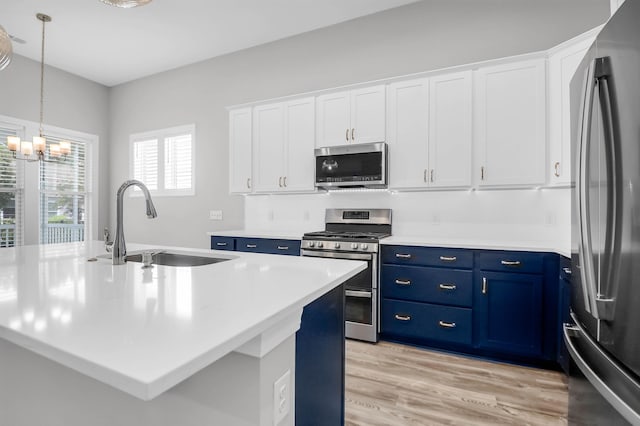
6, 50
35, 151
126, 4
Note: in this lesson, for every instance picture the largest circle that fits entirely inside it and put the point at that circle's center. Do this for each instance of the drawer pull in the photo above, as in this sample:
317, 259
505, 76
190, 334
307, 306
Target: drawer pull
252, 245
221, 244
403, 317
449, 287
567, 271
403, 282
510, 262
403, 256
448, 258
356, 293
484, 285
445, 324
283, 247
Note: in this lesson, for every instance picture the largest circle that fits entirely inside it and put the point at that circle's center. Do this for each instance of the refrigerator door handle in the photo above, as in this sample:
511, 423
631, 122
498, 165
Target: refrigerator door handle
605, 300
575, 331
585, 249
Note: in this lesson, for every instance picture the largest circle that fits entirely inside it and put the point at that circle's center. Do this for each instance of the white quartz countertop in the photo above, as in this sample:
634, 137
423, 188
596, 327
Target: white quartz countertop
471, 243
279, 235
145, 330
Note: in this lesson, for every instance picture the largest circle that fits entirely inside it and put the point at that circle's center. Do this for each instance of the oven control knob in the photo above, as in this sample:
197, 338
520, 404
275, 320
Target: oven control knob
337, 245
364, 246
354, 246
320, 245
311, 244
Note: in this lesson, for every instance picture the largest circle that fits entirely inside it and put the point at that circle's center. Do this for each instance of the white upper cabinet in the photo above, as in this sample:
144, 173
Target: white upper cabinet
355, 116
563, 63
240, 150
283, 146
408, 133
450, 131
510, 125
429, 132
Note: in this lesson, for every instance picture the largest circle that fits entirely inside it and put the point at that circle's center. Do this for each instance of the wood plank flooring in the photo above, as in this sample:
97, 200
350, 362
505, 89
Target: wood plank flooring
390, 384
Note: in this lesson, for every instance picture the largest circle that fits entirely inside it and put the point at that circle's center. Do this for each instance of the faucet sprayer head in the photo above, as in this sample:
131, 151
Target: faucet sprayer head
151, 209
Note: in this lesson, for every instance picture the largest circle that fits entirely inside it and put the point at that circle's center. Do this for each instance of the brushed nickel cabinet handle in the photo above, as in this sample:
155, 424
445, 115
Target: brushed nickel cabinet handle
221, 244
346, 135
448, 258
424, 175
283, 247
284, 181
447, 324
280, 181
510, 262
248, 183
484, 285
431, 176
482, 173
556, 166
403, 256
353, 134
567, 271
251, 246
403, 317
403, 282
447, 286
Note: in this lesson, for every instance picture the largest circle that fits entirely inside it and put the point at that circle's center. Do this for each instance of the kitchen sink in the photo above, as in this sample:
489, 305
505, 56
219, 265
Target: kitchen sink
176, 259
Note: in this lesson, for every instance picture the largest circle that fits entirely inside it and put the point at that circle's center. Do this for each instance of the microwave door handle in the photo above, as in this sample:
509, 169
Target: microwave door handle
585, 249
605, 298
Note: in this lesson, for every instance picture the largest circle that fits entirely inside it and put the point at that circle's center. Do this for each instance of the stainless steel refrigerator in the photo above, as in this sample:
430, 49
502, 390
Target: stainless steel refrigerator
604, 336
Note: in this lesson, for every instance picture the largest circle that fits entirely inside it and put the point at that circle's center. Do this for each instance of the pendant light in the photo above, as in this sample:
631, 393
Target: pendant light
6, 50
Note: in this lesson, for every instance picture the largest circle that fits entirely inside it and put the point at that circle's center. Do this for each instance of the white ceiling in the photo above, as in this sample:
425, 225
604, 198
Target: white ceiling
112, 46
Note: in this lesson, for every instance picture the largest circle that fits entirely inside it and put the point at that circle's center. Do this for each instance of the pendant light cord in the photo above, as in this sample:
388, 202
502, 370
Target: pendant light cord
42, 80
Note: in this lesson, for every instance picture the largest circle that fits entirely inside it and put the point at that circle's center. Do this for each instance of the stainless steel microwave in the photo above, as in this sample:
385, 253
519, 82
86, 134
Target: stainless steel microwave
352, 166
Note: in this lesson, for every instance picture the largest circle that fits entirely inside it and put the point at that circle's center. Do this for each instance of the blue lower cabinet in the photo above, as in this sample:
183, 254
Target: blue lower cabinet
269, 246
223, 243
426, 284
320, 354
424, 321
564, 303
508, 310
286, 247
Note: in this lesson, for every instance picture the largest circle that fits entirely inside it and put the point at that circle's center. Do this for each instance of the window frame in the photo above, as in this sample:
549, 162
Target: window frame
161, 135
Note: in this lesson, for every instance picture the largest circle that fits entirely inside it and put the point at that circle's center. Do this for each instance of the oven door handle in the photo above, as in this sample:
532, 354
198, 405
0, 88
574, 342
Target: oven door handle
337, 255
356, 293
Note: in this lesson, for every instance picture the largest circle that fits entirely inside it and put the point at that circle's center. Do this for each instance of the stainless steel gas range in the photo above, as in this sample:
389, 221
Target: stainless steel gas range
354, 234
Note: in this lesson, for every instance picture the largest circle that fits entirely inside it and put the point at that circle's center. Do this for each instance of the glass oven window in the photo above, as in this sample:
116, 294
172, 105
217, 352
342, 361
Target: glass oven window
358, 309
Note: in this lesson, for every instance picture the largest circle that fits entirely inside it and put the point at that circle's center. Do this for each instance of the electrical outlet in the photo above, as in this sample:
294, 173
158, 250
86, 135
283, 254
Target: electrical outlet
215, 214
281, 397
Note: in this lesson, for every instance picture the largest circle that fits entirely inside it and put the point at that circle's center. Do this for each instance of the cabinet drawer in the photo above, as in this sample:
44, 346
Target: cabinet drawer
424, 284
565, 269
426, 321
269, 246
223, 243
252, 245
511, 261
286, 247
428, 256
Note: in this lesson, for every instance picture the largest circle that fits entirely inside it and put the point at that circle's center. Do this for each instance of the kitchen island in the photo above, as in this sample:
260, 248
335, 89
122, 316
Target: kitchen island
86, 342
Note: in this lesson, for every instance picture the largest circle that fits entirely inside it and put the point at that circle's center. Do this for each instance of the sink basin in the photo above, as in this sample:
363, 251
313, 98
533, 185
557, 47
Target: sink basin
177, 259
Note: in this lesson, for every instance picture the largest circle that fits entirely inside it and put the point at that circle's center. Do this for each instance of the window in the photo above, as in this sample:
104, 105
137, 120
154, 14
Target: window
11, 198
60, 199
164, 160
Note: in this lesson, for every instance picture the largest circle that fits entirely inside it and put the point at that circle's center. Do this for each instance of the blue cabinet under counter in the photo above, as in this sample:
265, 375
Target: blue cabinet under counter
256, 245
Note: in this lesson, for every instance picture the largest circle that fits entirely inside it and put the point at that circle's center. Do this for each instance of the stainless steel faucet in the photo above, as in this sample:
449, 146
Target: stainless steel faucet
119, 246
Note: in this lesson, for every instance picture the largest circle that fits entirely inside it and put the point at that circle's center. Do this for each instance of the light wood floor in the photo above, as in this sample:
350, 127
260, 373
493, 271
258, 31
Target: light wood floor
390, 384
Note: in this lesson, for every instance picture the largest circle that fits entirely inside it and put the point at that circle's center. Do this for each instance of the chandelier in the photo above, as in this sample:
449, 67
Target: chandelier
126, 4
35, 150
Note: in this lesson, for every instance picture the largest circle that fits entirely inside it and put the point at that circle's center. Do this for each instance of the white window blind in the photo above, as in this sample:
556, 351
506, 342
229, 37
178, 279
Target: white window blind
163, 160
11, 194
63, 194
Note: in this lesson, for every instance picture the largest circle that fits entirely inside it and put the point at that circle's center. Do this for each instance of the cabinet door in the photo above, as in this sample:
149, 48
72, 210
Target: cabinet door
300, 142
509, 312
408, 116
333, 121
268, 170
368, 115
562, 67
511, 129
240, 150
450, 130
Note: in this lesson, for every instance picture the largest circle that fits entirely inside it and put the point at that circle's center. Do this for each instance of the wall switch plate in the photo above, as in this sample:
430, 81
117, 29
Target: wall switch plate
281, 397
215, 214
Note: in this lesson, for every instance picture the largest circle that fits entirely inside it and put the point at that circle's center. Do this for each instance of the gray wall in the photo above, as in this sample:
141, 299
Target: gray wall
427, 35
71, 102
